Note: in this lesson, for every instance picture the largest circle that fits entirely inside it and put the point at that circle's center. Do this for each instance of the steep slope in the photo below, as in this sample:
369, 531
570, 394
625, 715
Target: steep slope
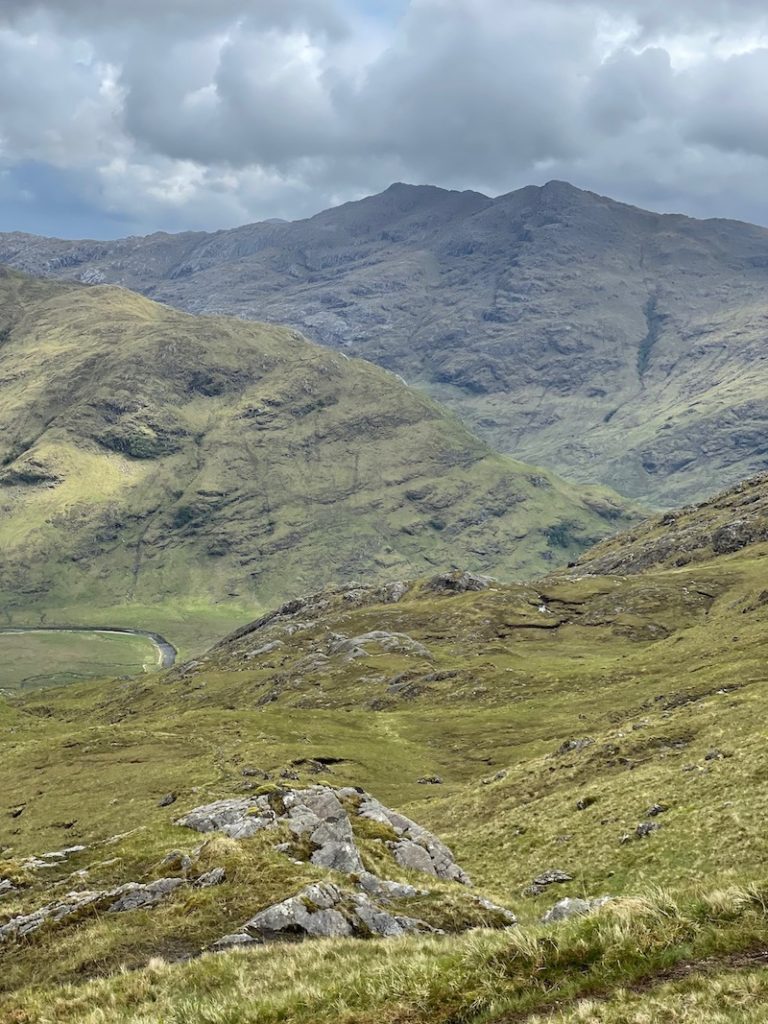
609, 343
150, 458
600, 734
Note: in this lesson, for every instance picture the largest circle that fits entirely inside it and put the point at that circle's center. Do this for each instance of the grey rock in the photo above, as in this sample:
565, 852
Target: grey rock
391, 593
397, 643
430, 780
167, 800
6, 886
274, 645
494, 908
574, 907
310, 914
323, 910
656, 809
383, 888
210, 878
318, 813
646, 828
237, 818
130, 896
552, 877
134, 897
571, 746
458, 582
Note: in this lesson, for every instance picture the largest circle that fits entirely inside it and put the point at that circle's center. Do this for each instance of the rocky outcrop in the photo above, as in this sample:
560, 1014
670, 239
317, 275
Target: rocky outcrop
458, 582
130, 896
324, 910
325, 817
393, 643
553, 876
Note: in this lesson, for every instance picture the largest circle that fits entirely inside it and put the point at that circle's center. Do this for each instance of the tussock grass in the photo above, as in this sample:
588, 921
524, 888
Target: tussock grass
471, 978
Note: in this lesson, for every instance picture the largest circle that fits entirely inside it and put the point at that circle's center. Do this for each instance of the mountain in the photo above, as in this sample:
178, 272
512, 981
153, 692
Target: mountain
583, 737
158, 468
606, 342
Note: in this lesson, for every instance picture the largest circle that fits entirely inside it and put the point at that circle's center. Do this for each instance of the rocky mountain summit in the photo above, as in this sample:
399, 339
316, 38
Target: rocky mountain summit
606, 342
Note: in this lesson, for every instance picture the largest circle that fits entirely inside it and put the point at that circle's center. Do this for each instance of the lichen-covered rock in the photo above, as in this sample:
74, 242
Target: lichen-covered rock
551, 877
131, 896
416, 848
135, 896
325, 816
324, 910
383, 888
68, 906
574, 907
236, 818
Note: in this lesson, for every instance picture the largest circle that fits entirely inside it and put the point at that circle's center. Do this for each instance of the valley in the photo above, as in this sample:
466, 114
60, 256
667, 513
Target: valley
181, 474
602, 727
383, 512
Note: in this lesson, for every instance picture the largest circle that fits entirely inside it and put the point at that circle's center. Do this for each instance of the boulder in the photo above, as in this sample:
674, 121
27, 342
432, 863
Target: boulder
309, 914
134, 896
574, 907
237, 818
551, 877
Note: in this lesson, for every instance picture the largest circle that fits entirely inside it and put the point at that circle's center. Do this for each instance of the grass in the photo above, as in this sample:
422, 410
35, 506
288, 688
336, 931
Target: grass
660, 673
33, 660
480, 977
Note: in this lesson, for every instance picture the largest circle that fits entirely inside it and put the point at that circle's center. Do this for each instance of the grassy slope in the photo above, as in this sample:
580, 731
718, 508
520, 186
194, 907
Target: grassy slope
658, 669
180, 473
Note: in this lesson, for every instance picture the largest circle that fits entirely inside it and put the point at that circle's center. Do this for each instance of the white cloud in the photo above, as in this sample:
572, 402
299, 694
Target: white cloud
186, 113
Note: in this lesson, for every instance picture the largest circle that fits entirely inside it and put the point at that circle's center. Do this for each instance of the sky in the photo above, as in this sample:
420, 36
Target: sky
123, 117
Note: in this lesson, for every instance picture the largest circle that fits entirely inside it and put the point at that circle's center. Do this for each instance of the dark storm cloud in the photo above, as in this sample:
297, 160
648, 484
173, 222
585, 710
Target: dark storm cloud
183, 112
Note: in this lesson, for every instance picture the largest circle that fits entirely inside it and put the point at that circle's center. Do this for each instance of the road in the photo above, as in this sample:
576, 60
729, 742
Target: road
166, 652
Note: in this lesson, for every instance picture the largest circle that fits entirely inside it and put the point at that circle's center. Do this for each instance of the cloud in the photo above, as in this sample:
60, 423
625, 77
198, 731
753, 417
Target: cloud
189, 114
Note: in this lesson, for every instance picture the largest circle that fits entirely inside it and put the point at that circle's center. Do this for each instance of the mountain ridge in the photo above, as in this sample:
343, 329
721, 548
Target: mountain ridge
610, 343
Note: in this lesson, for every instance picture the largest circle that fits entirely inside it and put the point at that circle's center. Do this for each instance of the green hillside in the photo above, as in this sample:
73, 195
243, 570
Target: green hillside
607, 727
181, 473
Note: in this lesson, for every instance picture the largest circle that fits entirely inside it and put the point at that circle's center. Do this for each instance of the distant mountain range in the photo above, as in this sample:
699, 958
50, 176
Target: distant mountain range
156, 467
606, 342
